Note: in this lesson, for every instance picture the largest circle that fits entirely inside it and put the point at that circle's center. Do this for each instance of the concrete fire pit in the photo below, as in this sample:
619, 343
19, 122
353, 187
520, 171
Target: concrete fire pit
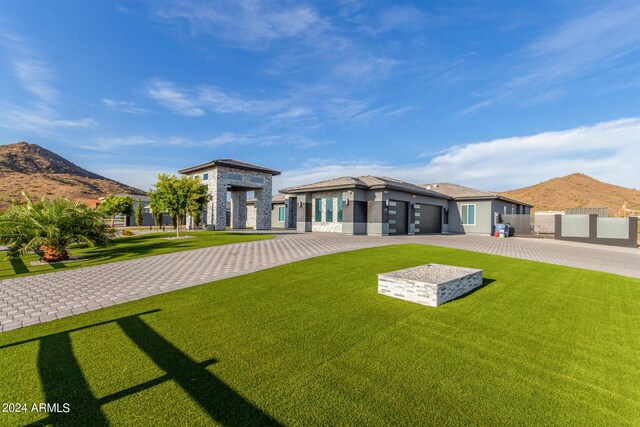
430, 284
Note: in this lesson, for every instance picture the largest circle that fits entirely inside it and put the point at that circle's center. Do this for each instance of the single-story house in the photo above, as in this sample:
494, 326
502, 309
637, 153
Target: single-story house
387, 206
147, 216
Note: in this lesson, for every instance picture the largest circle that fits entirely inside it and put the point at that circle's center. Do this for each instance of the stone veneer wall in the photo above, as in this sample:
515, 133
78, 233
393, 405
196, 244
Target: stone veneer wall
431, 294
328, 227
291, 213
251, 216
219, 181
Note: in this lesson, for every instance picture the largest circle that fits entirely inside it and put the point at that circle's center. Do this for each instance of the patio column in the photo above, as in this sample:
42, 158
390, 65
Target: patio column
217, 212
263, 209
238, 209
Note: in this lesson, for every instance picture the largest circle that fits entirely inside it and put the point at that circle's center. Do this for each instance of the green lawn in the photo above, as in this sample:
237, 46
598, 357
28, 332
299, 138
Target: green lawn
126, 248
312, 343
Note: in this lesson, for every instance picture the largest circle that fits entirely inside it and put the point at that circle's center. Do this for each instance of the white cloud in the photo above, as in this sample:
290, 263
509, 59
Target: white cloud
294, 113
116, 143
248, 23
123, 106
174, 98
587, 43
36, 76
39, 120
34, 73
230, 139
607, 151
403, 18
219, 102
195, 102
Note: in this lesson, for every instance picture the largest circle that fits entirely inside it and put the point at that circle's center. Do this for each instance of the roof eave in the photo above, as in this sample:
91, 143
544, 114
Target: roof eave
207, 165
496, 197
298, 190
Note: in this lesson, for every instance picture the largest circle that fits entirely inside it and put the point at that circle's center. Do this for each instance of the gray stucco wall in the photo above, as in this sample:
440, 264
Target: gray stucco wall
484, 217
275, 221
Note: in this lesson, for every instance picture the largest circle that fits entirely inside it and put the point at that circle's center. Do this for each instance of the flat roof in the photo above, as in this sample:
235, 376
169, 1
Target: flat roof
231, 163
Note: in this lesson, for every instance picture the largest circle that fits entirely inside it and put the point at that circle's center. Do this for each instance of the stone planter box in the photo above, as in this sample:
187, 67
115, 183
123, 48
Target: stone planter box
430, 284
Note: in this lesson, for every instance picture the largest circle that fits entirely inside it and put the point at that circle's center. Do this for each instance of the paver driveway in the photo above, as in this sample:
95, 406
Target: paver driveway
34, 299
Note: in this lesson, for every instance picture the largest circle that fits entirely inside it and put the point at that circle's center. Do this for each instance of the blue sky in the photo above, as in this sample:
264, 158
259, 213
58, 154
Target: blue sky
491, 94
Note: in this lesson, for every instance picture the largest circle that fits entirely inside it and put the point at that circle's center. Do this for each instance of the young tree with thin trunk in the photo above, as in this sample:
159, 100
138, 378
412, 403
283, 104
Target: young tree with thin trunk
113, 205
139, 213
179, 196
156, 210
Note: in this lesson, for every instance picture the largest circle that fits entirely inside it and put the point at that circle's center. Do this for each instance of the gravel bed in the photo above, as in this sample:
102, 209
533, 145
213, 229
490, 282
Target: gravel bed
431, 272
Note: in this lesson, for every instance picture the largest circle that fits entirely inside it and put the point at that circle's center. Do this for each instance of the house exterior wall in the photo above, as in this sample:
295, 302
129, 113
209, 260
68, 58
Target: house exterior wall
275, 220
303, 215
417, 215
354, 215
483, 221
367, 212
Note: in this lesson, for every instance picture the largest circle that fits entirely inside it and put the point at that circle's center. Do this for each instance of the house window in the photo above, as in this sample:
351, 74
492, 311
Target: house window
281, 213
318, 217
329, 208
339, 208
205, 176
468, 214
197, 176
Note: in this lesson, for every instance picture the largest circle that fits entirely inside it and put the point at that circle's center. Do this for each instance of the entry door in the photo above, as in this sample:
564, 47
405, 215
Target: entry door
398, 218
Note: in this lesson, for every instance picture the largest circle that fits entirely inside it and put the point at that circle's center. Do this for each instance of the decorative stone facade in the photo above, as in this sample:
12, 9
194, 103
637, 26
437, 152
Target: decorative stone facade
220, 180
430, 284
251, 216
238, 209
324, 226
291, 212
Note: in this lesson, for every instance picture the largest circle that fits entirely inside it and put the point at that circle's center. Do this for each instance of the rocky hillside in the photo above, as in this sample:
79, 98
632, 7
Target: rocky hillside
40, 172
579, 191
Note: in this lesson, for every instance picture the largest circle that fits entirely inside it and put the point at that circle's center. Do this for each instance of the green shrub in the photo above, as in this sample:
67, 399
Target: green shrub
48, 227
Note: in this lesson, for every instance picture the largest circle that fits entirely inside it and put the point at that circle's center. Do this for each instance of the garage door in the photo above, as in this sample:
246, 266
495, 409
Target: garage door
428, 219
398, 220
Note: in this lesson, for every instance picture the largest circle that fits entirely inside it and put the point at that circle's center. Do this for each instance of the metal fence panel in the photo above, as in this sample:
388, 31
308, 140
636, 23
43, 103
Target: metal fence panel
521, 223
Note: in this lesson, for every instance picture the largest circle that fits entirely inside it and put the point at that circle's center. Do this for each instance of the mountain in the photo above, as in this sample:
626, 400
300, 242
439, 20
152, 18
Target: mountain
40, 172
579, 191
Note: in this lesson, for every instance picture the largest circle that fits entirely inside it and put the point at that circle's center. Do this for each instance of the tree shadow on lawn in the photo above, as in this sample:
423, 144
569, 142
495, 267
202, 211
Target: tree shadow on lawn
133, 247
19, 267
63, 380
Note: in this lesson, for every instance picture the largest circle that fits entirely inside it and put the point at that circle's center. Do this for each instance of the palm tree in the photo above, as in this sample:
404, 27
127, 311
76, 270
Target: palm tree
48, 227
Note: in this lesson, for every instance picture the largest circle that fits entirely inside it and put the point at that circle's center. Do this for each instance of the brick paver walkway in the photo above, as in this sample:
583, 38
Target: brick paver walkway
34, 299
